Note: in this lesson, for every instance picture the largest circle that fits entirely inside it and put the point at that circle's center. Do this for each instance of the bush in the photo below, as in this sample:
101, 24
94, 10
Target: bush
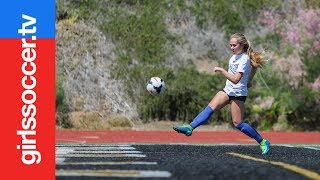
61, 107
230, 15
118, 121
312, 64
86, 120
143, 36
306, 115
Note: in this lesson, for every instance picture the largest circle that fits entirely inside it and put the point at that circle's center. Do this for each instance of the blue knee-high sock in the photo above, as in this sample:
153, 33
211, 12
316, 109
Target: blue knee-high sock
202, 117
249, 131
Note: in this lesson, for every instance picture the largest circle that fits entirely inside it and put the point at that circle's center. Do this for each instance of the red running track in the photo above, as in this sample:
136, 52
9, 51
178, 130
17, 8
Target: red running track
203, 137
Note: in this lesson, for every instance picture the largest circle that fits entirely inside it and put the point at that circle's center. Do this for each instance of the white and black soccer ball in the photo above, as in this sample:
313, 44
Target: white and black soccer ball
155, 86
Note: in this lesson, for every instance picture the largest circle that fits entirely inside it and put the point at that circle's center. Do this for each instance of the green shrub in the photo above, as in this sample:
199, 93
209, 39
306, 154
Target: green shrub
143, 36
312, 4
306, 115
270, 42
61, 107
230, 15
86, 120
59, 92
312, 64
83, 9
118, 121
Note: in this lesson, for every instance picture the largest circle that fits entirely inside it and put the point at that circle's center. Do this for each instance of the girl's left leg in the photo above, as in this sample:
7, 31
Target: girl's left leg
220, 100
237, 113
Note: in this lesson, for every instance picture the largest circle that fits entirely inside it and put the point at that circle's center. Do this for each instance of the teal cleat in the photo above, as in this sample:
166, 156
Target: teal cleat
265, 146
185, 129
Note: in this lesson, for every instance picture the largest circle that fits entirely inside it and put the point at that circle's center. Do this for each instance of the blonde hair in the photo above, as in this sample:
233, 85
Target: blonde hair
256, 58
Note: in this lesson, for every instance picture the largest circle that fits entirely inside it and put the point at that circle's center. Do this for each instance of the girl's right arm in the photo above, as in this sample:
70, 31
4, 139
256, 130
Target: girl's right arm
233, 78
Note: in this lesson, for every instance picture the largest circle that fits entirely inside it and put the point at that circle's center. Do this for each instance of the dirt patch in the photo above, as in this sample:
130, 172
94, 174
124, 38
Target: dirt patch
206, 65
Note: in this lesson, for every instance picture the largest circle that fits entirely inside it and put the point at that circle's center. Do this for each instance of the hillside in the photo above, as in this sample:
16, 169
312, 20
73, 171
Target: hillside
107, 50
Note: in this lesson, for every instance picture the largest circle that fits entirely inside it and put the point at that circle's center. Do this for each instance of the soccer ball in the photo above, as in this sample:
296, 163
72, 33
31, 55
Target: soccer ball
155, 86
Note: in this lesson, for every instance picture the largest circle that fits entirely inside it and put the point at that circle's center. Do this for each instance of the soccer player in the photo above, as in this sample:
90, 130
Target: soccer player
242, 67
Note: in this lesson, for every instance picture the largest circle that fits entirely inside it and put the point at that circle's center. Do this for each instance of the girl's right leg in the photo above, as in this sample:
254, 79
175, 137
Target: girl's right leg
237, 112
220, 100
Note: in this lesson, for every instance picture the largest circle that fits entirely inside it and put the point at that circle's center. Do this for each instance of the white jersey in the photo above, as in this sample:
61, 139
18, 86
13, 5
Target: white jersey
238, 63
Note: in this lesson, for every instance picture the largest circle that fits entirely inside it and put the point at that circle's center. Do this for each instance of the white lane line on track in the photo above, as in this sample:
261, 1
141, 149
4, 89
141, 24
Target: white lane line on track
97, 148
60, 160
92, 145
91, 137
286, 145
96, 152
300, 146
313, 148
109, 163
64, 151
115, 173
99, 155
73, 141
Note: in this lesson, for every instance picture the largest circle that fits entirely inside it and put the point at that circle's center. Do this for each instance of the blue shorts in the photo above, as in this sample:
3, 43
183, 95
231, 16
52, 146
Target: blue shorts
239, 98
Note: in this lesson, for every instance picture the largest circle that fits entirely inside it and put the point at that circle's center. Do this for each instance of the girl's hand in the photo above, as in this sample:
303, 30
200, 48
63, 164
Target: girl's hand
218, 69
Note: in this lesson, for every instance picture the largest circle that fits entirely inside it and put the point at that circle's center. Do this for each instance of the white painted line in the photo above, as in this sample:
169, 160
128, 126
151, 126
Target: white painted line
107, 163
60, 160
91, 145
300, 146
70, 140
286, 145
308, 147
99, 155
91, 137
64, 151
232, 144
96, 152
115, 173
96, 148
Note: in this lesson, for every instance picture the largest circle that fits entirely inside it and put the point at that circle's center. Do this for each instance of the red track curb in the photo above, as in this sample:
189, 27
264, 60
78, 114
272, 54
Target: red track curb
205, 137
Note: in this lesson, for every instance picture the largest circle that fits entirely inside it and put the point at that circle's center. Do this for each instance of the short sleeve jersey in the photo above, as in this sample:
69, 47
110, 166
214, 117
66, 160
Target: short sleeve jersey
238, 63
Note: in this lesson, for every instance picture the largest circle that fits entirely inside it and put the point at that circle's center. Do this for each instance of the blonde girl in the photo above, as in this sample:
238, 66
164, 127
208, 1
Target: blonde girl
242, 68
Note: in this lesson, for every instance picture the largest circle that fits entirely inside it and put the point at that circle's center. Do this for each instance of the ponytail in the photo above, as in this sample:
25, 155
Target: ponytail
256, 58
